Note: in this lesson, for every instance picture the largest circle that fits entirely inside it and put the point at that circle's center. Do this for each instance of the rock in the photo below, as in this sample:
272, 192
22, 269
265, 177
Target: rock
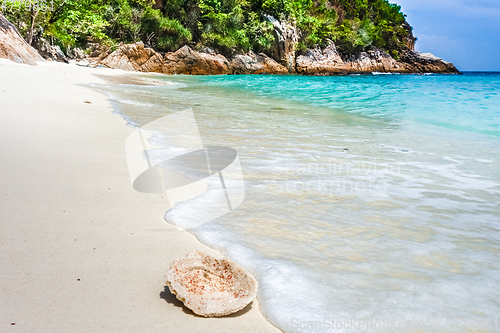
52, 52
251, 63
208, 50
286, 37
187, 61
375, 60
426, 63
48, 51
409, 39
317, 61
58, 54
328, 61
210, 287
76, 53
14, 47
96, 50
42, 46
134, 57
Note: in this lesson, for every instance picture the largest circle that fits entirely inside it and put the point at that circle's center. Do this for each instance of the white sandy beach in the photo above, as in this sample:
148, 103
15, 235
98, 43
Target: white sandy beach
80, 250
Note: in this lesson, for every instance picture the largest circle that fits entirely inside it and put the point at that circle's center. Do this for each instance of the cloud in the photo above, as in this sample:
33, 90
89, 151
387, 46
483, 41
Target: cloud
464, 32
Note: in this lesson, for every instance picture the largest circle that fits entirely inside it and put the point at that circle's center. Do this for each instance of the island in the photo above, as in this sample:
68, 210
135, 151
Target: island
325, 37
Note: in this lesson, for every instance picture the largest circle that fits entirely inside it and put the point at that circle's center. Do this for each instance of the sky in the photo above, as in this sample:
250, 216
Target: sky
464, 32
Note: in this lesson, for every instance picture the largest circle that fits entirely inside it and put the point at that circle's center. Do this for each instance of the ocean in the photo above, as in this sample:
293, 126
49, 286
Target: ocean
366, 203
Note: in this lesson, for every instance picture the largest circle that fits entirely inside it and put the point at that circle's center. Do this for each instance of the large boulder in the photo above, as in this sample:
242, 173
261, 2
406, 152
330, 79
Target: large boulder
49, 51
187, 61
251, 63
426, 63
97, 50
317, 61
328, 61
375, 60
134, 57
14, 47
75, 53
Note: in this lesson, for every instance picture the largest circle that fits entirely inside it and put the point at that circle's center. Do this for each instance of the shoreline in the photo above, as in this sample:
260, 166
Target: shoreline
83, 250
327, 61
288, 141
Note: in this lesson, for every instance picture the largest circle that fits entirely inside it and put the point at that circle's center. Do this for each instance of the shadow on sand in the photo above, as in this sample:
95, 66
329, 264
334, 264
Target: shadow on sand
171, 299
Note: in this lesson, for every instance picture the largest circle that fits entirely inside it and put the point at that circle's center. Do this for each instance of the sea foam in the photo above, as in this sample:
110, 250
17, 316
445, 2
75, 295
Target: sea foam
368, 200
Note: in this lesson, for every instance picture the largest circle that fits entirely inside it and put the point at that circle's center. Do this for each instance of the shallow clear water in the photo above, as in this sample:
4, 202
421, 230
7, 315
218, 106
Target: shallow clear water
372, 203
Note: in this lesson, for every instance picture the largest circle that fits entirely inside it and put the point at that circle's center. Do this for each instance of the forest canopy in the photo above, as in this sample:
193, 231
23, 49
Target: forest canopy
225, 25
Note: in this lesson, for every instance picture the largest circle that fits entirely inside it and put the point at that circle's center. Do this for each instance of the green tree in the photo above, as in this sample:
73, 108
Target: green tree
226, 25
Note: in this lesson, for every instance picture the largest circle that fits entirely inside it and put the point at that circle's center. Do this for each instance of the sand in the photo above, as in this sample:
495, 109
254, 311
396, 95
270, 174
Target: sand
80, 250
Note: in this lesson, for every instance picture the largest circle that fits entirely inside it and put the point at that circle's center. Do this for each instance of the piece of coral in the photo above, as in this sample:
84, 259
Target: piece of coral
210, 287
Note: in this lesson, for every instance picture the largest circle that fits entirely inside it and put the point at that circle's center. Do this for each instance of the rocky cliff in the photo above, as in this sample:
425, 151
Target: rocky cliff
136, 57
188, 61
14, 47
317, 61
284, 58
329, 61
285, 39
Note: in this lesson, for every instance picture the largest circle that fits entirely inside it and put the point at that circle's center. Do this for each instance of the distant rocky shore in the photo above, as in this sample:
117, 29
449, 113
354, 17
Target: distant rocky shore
327, 61
205, 61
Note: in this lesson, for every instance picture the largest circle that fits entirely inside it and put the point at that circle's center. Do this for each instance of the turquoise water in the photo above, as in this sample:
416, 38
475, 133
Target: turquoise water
372, 203
469, 102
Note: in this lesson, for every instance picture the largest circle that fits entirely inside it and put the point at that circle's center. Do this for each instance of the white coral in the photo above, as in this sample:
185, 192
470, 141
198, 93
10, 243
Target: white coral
210, 287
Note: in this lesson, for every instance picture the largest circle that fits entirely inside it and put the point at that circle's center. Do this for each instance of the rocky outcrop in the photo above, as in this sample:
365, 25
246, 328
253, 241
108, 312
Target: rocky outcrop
328, 62
207, 62
286, 38
187, 61
49, 51
97, 50
14, 47
426, 63
317, 61
252, 63
134, 57
409, 39
76, 53
375, 60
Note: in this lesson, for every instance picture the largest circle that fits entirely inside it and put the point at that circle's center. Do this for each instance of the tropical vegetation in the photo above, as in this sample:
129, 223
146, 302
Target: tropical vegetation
225, 25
